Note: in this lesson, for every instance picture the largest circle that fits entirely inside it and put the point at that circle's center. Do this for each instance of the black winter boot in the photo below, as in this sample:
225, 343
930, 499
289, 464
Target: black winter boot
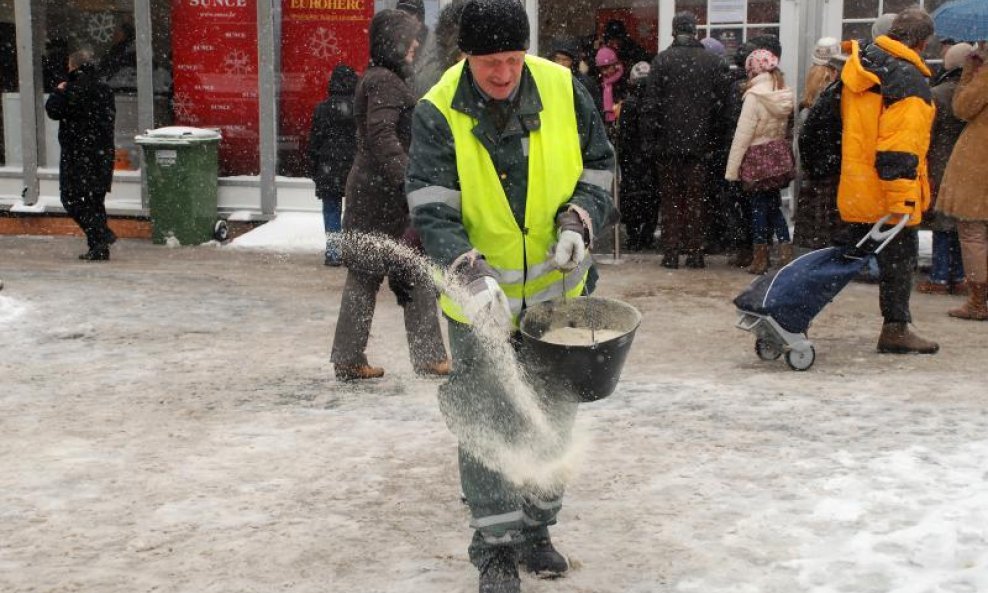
541, 557
499, 571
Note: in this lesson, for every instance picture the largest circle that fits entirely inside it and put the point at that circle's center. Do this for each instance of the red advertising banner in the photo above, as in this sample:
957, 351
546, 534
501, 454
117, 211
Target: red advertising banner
316, 35
214, 73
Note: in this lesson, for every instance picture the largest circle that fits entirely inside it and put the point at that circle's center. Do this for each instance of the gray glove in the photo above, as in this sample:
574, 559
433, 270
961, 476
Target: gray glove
571, 247
484, 302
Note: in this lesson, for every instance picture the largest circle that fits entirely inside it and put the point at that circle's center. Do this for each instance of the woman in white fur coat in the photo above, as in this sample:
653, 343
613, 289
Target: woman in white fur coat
765, 116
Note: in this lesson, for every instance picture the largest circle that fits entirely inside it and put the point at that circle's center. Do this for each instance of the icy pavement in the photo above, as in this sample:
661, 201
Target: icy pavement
170, 423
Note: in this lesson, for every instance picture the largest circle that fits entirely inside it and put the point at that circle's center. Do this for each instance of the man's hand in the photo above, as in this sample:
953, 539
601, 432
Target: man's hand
570, 251
61, 86
484, 302
487, 304
572, 245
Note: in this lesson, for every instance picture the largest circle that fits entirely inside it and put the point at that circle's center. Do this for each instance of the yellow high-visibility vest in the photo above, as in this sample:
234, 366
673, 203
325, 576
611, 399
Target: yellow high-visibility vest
527, 273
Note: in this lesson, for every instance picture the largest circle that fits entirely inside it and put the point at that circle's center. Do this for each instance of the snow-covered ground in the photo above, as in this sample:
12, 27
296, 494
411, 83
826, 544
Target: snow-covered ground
170, 423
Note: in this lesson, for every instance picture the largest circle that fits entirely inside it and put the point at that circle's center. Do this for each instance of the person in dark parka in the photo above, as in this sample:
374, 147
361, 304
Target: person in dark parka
376, 204
566, 52
85, 110
639, 194
685, 98
332, 144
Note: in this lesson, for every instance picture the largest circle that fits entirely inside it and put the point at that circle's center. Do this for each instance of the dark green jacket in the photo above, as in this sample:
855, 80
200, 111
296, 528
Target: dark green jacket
433, 161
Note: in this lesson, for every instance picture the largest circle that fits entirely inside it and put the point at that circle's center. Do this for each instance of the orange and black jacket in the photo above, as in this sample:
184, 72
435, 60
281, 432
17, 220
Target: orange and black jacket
887, 112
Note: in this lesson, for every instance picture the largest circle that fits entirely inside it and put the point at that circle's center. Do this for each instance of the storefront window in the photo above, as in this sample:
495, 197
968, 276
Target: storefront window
107, 30
732, 22
859, 15
9, 99
316, 36
206, 76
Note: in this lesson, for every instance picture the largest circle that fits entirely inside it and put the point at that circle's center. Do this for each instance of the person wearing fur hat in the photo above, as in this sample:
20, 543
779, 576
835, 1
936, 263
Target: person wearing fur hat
816, 218
509, 181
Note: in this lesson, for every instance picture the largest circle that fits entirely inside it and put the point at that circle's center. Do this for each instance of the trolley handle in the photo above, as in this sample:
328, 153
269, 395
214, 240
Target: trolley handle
876, 236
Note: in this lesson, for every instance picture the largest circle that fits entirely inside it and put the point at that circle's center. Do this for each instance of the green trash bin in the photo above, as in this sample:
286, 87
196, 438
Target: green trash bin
181, 165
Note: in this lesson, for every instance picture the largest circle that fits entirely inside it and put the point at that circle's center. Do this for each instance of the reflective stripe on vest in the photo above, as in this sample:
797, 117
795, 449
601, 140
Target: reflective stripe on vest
555, 165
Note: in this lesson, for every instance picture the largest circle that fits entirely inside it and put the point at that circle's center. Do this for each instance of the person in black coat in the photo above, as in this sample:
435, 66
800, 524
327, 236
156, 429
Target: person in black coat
332, 145
639, 196
85, 110
566, 52
685, 99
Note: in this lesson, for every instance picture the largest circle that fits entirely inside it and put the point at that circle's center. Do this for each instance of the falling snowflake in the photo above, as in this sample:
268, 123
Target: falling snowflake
101, 26
236, 62
182, 106
324, 43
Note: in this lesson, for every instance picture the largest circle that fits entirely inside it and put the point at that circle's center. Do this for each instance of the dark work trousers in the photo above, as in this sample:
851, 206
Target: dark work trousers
895, 265
682, 191
481, 412
88, 210
417, 296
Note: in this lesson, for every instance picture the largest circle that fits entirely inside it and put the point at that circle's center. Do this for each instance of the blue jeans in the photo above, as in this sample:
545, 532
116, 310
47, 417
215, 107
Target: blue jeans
767, 218
332, 210
947, 267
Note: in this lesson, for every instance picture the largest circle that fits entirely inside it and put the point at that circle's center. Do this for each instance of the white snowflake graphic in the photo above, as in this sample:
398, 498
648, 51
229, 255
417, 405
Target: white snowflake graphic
101, 26
182, 106
324, 43
236, 62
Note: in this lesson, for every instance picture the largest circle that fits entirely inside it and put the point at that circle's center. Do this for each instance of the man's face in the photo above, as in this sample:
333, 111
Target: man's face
498, 74
562, 59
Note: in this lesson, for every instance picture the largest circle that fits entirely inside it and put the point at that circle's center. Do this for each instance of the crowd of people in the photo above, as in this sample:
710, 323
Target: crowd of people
705, 144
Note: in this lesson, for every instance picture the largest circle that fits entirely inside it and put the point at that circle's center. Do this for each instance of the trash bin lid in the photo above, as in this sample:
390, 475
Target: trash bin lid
177, 135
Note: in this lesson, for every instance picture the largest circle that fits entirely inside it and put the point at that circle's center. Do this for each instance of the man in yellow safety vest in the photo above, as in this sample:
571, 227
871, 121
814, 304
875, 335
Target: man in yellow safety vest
509, 180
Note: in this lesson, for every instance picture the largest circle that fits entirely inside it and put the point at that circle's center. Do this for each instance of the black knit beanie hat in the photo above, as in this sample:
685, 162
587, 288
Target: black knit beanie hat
493, 26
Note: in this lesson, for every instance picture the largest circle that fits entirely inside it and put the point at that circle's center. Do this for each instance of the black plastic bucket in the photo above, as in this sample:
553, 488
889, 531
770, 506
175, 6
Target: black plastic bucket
584, 372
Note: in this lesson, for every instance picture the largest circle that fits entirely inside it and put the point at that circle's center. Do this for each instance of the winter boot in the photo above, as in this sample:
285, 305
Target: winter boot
694, 260
670, 259
440, 368
759, 262
960, 288
785, 254
931, 287
741, 258
975, 307
540, 557
96, 254
499, 572
896, 338
356, 372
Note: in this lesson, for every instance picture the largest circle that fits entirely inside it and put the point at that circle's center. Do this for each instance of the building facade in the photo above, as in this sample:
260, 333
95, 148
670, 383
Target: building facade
255, 70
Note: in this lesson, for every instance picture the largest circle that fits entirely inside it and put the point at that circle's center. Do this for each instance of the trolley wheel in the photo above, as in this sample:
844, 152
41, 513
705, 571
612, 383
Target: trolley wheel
766, 350
800, 360
221, 232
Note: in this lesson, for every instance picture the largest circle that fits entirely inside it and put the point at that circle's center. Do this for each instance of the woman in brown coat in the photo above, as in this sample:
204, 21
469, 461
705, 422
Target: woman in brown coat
964, 193
376, 205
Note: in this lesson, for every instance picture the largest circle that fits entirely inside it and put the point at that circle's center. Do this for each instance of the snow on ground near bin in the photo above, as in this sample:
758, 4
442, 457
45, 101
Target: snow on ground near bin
289, 231
170, 423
